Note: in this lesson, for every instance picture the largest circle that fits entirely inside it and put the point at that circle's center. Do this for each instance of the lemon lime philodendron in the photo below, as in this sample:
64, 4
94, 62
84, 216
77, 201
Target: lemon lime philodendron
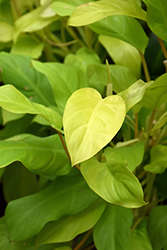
83, 139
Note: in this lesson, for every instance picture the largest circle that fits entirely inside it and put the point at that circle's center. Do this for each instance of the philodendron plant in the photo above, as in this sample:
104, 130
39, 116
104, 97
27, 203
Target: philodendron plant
83, 152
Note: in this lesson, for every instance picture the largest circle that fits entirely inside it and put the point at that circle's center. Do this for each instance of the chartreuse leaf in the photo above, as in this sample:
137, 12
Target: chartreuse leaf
64, 80
17, 70
34, 20
6, 244
8, 116
158, 162
82, 59
112, 231
156, 93
156, 17
66, 7
26, 45
121, 77
14, 101
91, 122
132, 156
139, 239
160, 123
157, 229
122, 53
30, 149
18, 182
25, 217
133, 94
6, 32
95, 11
113, 182
119, 27
69, 227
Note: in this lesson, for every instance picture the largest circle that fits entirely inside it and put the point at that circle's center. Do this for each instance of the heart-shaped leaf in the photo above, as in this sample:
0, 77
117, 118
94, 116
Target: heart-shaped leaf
91, 122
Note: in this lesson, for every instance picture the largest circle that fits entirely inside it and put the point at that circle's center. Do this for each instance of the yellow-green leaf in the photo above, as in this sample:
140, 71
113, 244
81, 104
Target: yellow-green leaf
6, 32
122, 53
14, 101
91, 122
113, 182
95, 11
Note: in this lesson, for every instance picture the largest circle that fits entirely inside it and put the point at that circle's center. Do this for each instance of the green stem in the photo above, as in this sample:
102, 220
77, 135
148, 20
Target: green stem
83, 240
64, 145
146, 72
16, 9
90, 247
163, 47
74, 35
136, 126
137, 222
149, 188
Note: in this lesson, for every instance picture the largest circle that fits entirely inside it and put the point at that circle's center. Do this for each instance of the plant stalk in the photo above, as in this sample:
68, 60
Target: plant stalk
146, 72
83, 240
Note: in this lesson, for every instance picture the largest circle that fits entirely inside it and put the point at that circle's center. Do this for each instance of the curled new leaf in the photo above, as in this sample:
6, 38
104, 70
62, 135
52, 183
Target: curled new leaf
91, 122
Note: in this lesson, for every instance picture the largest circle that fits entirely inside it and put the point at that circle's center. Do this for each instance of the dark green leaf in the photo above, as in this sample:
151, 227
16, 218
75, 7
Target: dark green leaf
6, 244
64, 80
66, 196
139, 239
68, 228
156, 17
18, 182
30, 149
158, 162
113, 229
125, 28
17, 70
157, 227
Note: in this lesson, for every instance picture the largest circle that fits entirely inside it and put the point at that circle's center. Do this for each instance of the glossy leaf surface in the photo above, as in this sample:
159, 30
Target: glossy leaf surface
17, 70
68, 228
25, 217
64, 80
132, 156
113, 229
122, 53
14, 101
91, 122
156, 17
124, 28
95, 11
29, 150
113, 182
